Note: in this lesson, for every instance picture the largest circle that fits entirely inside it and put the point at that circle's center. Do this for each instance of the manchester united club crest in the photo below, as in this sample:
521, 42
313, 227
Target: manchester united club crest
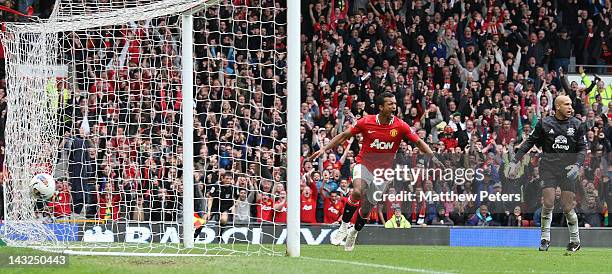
570, 131
393, 132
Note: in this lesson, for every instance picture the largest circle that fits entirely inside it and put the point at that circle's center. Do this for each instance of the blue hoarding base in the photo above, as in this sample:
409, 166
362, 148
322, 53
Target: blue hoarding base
528, 237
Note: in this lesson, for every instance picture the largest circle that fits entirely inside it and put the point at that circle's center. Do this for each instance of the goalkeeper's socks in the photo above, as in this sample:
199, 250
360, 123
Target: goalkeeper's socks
546, 219
360, 222
349, 210
572, 225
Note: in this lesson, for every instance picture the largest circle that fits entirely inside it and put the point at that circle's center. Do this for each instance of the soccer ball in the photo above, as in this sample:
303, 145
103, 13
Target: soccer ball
42, 186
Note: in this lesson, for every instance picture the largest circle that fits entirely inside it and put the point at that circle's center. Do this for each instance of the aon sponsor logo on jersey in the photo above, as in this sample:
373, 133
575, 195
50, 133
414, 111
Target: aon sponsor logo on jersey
377, 144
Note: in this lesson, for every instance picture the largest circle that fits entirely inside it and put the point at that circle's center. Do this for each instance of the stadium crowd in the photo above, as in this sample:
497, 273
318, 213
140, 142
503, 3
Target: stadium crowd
471, 77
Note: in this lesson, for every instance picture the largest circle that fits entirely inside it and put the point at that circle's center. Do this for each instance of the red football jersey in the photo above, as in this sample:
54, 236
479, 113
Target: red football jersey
309, 205
265, 210
62, 206
381, 142
308, 210
280, 216
332, 211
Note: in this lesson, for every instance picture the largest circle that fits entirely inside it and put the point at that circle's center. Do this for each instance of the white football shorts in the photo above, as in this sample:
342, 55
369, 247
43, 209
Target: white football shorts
373, 186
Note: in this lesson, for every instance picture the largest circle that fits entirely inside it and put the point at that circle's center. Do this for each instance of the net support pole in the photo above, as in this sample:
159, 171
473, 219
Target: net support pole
293, 128
187, 109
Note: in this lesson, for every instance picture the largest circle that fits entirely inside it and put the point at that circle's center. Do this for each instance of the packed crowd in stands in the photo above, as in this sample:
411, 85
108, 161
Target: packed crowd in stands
472, 78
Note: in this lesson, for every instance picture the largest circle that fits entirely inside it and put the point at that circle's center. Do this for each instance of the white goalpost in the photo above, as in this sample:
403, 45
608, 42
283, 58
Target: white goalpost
188, 114
170, 126
293, 127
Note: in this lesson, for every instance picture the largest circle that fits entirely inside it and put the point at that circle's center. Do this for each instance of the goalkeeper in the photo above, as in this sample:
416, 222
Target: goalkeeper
563, 142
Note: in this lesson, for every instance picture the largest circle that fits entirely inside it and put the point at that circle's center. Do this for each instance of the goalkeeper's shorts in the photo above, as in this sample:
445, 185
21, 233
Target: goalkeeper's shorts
375, 187
553, 178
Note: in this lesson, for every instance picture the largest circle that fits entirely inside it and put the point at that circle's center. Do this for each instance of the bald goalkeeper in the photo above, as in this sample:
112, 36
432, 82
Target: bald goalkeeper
562, 139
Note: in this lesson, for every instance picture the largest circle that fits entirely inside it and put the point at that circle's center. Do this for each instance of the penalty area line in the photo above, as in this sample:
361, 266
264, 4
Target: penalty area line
390, 267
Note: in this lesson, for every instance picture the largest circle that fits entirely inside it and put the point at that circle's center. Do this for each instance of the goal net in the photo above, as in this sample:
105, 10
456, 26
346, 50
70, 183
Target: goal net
97, 96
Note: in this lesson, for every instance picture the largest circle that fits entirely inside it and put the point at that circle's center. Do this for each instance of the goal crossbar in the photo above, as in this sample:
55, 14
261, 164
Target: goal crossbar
82, 22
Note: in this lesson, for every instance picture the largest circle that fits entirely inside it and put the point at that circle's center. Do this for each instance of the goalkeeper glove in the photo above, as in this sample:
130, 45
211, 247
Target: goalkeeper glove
573, 170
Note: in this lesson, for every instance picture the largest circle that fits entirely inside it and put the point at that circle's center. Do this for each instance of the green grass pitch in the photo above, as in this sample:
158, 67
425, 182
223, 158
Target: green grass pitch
331, 259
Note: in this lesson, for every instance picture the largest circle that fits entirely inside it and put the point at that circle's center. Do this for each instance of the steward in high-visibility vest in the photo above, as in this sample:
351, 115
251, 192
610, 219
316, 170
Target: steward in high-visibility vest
397, 221
603, 90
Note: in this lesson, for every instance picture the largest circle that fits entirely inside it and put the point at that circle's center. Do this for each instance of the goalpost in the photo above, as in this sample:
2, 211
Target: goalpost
158, 118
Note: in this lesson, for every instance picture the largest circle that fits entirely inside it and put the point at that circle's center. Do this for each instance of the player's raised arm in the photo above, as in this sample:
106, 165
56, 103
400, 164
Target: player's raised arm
534, 138
337, 140
424, 147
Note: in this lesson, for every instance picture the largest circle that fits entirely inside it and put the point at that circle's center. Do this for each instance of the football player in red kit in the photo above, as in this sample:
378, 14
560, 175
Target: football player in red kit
382, 135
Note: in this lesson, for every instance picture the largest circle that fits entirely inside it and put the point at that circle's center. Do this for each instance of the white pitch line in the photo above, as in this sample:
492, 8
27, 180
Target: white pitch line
399, 268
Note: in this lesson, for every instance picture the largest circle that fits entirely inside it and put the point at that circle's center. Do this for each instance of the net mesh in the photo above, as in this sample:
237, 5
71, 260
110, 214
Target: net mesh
31, 146
95, 98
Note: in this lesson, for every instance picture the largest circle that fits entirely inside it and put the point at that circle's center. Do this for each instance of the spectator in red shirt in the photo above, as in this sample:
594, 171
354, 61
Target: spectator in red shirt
308, 207
61, 203
333, 207
265, 208
448, 138
374, 218
108, 202
280, 208
332, 161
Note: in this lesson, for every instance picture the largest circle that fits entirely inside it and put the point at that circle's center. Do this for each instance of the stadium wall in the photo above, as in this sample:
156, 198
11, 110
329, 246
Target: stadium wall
320, 234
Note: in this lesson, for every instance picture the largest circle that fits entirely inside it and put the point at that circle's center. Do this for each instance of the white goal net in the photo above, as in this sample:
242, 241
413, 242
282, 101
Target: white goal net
96, 98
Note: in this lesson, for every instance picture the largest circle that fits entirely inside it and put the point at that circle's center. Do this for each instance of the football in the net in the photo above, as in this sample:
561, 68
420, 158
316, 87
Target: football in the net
42, 186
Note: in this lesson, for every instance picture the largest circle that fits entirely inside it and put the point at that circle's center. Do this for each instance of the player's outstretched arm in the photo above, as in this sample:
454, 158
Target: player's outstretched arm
337, 140
424, 147
533, 139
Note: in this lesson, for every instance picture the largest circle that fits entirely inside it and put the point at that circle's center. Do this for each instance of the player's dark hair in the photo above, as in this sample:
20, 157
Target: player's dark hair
380, 99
